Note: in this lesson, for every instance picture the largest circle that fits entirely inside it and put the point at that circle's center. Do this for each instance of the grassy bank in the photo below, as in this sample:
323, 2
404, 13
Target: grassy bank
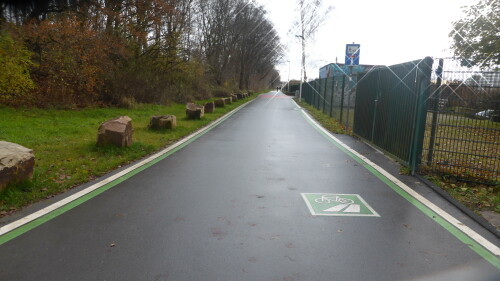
326, 121
476, 197
64, 144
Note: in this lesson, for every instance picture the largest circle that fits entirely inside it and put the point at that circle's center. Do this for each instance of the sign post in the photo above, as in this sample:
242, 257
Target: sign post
351, 59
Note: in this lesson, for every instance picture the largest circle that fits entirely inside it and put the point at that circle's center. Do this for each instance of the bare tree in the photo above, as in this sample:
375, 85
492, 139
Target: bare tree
217, 34
258, 47
311, 14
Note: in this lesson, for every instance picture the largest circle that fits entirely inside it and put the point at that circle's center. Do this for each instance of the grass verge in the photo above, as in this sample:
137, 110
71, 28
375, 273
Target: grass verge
64, 145
477, 197
326, 121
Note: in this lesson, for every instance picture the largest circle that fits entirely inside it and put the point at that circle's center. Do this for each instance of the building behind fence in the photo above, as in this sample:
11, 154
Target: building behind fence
435, 116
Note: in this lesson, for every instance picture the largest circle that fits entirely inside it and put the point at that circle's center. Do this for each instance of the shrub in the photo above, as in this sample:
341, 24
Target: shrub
72, 61
15, 64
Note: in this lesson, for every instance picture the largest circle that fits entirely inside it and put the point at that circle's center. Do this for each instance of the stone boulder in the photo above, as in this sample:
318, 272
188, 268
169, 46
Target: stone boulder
219, 103
209, 107
194, 111
235, 98
117, 131
16, 163
240, 96
228, 100
159, 122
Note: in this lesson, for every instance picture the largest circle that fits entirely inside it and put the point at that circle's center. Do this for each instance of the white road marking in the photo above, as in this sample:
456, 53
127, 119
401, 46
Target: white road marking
353, 208
452, 220
337, 208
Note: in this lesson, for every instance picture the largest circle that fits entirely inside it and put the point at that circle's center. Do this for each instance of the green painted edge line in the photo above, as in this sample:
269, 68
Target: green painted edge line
494, 260
49, 216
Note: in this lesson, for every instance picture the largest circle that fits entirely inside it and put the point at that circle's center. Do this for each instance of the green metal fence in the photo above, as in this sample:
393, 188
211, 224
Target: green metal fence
333, 96
462, 136
391, 108
433, 118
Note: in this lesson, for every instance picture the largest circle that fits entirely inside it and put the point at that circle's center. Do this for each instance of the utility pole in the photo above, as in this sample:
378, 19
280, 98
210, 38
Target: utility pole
302, 70
288, 84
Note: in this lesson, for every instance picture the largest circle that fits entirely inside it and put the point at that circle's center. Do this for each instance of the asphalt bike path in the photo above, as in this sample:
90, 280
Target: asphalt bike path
264, 195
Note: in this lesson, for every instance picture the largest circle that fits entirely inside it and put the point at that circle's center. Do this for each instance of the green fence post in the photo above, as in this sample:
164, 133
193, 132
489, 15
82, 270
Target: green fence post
331, 98
313, 94
324, 94
378, 94
342, 99
435, 109
424, 70
317, 91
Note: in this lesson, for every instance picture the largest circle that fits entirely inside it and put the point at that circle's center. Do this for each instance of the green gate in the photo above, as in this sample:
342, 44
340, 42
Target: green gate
391, 108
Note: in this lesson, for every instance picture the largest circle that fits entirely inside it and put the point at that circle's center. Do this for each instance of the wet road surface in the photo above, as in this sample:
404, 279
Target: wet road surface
231, 206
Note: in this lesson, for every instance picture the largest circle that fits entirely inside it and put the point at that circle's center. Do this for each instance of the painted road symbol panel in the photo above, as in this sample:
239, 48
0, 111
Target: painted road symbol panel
330, 204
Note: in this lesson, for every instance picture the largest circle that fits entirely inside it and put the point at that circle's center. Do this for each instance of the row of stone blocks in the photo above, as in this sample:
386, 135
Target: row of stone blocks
119, 131
223, 101
194, 111
17, 162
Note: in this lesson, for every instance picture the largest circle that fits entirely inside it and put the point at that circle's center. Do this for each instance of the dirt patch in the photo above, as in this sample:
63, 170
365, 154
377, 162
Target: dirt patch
492, 217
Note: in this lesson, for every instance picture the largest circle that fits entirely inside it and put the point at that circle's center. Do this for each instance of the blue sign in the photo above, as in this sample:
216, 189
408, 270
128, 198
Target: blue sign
352, 54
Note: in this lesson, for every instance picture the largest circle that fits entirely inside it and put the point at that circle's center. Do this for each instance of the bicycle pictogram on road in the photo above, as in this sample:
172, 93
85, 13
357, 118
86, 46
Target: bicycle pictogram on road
327, 204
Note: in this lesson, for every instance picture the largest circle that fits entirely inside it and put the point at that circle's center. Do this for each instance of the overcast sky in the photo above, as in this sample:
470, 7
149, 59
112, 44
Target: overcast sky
389, 31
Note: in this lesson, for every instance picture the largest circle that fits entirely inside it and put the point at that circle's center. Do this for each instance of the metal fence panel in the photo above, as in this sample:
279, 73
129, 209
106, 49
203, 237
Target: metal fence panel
388, 108
365, 105
338, 97
462, 136
450, 126
331, 96
317, 94
307, 93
